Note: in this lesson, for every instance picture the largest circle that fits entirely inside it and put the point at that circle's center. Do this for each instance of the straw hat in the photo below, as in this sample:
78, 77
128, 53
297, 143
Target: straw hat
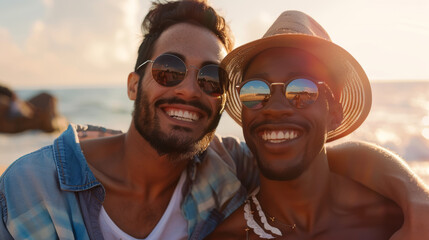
298, 30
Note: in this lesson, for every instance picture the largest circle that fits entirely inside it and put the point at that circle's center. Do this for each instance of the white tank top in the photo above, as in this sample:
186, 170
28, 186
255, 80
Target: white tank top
172, 224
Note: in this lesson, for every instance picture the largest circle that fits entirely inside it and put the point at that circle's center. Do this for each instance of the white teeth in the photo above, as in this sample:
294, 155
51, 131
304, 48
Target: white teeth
279, 136
186, 115
183, 115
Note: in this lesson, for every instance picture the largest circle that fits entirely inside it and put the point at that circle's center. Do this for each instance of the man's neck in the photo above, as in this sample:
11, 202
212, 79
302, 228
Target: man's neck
138, 182
128, 162
145, 166
299, 201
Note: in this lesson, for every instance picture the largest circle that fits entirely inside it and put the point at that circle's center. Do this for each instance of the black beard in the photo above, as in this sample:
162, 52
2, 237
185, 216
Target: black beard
289, 173
175, 147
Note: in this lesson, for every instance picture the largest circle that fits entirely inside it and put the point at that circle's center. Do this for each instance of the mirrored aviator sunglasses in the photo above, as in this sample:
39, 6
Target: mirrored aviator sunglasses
300, 92
169, 70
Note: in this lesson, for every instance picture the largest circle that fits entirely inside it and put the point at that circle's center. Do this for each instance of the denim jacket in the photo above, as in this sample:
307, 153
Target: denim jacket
52, 194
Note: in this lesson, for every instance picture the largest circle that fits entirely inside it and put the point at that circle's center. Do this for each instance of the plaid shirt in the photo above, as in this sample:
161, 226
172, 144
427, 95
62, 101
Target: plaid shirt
52, 194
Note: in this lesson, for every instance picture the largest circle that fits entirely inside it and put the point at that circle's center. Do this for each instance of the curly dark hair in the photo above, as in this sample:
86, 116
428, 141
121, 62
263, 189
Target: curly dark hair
164, 14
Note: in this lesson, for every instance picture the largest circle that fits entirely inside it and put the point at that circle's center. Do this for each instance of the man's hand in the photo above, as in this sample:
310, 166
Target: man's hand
86, 132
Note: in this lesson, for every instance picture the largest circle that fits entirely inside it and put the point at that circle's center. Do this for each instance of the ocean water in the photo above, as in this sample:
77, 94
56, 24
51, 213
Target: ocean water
398, 121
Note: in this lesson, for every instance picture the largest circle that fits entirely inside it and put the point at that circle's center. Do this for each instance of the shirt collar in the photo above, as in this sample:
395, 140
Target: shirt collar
73, 172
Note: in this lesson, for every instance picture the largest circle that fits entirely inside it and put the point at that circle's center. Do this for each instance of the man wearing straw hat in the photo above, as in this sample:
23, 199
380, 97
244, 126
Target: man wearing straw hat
293, 91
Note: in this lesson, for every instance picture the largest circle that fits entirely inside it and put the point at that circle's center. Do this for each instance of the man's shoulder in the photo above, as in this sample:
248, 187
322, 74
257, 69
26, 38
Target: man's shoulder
30, 193
34, 163
29, 174
44, 166
40, 165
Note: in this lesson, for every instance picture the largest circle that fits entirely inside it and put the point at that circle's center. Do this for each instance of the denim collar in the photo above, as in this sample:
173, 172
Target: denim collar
73, 172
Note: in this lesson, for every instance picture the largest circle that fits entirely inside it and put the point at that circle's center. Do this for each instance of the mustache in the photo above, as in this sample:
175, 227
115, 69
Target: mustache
194, 103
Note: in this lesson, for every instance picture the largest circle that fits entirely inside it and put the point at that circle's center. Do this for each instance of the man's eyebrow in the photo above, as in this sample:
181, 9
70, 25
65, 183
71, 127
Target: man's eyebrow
176, 54
181, 56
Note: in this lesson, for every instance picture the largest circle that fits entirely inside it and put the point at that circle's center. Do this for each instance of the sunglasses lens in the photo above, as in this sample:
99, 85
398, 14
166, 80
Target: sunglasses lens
168, 70
254, 93
302, 92
208, 80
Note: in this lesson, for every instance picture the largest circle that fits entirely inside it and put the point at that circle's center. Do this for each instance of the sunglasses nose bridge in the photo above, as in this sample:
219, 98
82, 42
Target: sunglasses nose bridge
278, 84
189, 86
278, 100
280, 89
192, 71
194, 67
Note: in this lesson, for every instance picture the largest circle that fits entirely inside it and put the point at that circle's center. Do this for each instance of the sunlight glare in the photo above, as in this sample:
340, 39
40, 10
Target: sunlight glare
384, 136
425, 133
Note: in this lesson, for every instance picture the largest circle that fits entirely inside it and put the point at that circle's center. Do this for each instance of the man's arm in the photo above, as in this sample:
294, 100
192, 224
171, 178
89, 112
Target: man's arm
388, 174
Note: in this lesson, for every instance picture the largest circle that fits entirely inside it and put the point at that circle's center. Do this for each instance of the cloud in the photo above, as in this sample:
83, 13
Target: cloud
254, 28
95, 42
48, 3
77, 42
12, 55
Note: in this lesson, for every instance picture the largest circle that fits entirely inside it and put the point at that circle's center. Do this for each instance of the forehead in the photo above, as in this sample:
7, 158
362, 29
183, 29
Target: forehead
286, 62
195, 43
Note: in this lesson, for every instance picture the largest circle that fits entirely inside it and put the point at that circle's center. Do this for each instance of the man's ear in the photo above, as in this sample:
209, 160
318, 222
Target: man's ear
336, 115
132, 85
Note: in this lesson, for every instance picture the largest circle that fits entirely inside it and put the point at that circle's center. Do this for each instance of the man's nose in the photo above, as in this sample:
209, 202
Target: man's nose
189, 87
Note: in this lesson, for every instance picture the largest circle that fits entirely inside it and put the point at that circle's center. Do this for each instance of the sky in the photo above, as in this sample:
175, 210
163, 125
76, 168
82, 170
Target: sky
63, 43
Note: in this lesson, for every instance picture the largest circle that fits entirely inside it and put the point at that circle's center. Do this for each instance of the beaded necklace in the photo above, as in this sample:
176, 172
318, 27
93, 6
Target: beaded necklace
266, 231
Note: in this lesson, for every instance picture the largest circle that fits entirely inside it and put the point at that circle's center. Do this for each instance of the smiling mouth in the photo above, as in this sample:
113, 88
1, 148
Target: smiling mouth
182, 115
279, 136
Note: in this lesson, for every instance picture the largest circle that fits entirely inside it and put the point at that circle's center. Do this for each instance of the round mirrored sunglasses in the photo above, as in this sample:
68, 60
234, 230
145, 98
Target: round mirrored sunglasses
300, 92
169, 70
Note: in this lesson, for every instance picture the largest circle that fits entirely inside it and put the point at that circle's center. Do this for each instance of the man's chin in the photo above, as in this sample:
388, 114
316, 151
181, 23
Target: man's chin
179, 130
281, 173
177, 145
196, 148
